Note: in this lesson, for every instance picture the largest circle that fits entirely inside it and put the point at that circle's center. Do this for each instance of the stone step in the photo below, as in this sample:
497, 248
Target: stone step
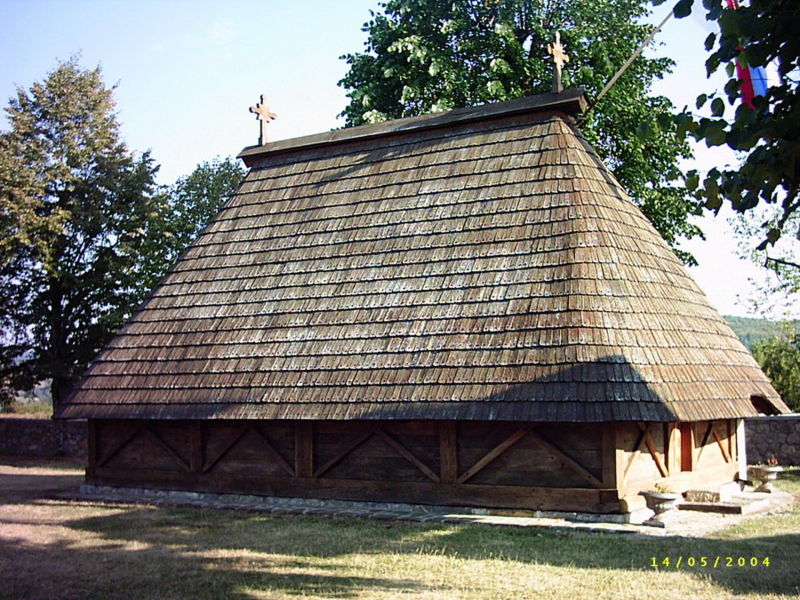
743, 503
726, 508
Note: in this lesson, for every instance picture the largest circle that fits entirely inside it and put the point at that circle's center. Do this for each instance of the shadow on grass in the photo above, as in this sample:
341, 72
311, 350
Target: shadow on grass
122, 571
301, 542
147, 552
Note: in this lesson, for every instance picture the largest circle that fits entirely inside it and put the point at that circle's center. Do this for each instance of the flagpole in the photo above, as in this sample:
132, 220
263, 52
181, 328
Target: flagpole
628, 62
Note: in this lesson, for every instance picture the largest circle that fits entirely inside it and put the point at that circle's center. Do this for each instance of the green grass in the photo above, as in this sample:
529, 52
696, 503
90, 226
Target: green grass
106, 551
33, 409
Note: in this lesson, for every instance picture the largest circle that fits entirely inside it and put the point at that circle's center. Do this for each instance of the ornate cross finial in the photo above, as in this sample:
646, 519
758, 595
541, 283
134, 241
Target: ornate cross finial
559, 58
264, 115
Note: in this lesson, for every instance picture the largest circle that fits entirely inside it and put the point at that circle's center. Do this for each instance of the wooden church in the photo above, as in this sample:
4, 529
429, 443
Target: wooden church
462, 308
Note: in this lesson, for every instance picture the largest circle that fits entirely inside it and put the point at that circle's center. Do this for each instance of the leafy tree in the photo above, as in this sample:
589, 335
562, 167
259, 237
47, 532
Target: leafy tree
188, 205
781, 288
191, 202
779, 357
6, 396
766, 184
424, 56
77, 211
195, 198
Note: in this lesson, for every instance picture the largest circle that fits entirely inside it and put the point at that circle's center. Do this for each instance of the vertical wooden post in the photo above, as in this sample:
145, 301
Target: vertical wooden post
197, 447
608, 454
671, 448
304, 448
729, 429
741, 449
687, 446
91, 445
448, 452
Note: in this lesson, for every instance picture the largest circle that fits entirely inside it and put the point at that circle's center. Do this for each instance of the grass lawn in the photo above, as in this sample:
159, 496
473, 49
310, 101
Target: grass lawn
54, 549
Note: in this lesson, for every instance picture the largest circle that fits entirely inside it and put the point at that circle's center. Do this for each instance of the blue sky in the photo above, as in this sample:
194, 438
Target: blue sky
187, 71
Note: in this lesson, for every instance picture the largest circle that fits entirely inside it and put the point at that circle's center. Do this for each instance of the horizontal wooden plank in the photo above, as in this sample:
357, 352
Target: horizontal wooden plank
588, 500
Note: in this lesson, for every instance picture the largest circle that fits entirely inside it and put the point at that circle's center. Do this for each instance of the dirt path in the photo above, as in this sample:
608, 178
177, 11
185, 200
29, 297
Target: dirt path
40, 555
25, 479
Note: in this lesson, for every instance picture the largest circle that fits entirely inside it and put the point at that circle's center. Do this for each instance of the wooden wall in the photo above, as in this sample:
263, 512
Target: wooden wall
511, 465
679, 456
554, 466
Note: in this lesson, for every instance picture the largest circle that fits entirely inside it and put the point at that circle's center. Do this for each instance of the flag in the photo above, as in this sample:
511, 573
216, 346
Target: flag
752, 80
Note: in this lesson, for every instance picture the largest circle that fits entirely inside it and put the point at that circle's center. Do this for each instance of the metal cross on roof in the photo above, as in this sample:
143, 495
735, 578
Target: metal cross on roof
264, 115
559, 58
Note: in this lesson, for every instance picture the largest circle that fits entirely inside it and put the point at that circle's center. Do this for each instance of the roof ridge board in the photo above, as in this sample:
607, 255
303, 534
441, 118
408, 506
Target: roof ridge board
444, 140
569, 101
415, 149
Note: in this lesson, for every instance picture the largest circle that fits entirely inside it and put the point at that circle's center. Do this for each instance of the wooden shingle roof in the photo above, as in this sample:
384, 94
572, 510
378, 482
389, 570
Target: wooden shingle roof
477, 264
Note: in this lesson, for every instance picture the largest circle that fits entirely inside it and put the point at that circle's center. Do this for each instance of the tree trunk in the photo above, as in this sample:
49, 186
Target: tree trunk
59, 390
56, 345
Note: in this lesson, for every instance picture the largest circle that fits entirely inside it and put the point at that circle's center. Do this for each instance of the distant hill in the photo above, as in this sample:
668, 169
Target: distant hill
751, 331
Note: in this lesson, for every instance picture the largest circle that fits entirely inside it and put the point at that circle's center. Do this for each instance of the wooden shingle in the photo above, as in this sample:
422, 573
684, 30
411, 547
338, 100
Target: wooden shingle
481, 264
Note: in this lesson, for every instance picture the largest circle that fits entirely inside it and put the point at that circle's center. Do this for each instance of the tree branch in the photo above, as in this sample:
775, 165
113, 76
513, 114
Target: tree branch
780, 261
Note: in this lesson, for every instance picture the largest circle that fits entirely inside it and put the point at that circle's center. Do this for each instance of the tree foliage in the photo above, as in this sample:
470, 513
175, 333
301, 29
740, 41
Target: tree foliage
779, 358
197, 197
424, 56
85, 233
766, 184
779, 290
77, 210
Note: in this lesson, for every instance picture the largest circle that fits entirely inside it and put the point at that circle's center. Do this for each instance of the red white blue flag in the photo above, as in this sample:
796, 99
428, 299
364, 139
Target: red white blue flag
752, 80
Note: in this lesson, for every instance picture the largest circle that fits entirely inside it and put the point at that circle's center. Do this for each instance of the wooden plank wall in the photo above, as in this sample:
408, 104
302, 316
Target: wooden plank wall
515, 465
681, 456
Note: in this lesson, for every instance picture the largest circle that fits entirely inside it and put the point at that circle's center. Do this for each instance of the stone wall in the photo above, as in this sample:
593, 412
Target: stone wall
777, 436
42, 437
